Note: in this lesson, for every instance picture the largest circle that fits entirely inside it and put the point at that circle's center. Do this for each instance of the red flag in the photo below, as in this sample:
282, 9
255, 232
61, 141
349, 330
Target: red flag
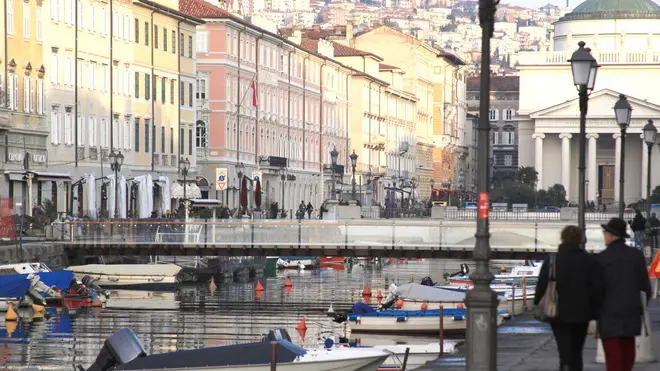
253, 86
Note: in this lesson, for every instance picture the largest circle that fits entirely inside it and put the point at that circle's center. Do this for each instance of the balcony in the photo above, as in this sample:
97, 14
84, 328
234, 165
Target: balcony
561, 58
376, 141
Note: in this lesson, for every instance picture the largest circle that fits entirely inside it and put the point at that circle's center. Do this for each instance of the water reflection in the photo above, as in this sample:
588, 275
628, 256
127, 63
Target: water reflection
195, 317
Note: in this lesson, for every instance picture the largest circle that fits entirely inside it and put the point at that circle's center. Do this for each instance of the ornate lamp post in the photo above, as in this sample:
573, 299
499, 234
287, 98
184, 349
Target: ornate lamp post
116, 161
184, 165
584, 68
333, 158
482, 301
354, 158
623, 113
650, 133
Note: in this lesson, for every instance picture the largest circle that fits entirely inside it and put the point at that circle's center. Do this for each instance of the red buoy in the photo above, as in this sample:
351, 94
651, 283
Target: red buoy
366, 291
302, 325
259, 287
288, 282
425, 306
460, 306
399, 303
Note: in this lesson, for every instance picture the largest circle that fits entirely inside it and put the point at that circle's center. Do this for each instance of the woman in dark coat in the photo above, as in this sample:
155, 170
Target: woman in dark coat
578, 290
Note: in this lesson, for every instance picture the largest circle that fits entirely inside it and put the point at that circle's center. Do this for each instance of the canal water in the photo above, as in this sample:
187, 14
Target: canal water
194, 317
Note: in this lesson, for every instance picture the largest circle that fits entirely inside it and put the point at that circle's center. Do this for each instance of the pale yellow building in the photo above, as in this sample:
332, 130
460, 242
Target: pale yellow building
23, 125
137, 101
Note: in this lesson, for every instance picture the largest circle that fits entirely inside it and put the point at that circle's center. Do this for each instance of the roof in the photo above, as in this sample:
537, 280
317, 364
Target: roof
202, 9
340, 50
497, 83
176, 13
614, 9
387, 67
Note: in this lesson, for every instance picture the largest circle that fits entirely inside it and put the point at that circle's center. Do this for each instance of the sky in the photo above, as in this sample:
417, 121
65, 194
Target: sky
540, 3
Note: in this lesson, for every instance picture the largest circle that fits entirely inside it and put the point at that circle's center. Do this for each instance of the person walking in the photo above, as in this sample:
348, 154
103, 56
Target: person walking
654, 225
624, 278
310, 208
638, 225
579, 289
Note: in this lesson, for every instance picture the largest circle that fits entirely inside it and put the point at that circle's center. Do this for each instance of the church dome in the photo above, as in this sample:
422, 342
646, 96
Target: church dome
614, 9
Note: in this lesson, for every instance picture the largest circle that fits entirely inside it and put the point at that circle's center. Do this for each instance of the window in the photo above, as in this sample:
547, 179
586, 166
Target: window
137, 135
81, 19
202, 42
115, 80
493, 115
162, 90
67, 70
190, 140
154, 88
54, 13
40, 96
509, 114
68, 122
509, 136
190, 95
54, 126
181, 140
26, 20
115, 24
172, 140
146, 135
127, 27
508, 160
201, 135
104, 22
201, 89
182, 98
162, 139
146, 33
26, 94
81, 73
40, 27
55, 71
172, 82
10, 17
137, 30
68, 12
155, 37
153, 137
173, 42
79, 130
181, 44
91, 131
105, 138
115, 133
91, 18
104, 78
190, 47
12, 88
127, 82
137, 85
494, 136
127, 135
147, 86
164, 39
92, 75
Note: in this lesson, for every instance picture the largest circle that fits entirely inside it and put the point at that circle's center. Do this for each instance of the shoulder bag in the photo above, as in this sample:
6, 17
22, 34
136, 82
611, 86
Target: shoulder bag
546, 310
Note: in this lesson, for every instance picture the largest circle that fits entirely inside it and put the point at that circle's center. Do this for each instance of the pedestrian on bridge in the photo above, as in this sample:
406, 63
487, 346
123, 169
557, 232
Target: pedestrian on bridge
578, 285
638, 226
620, 315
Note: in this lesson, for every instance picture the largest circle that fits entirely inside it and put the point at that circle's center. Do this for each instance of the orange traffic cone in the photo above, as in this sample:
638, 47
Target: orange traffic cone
288, 282
259, 287
258, 295
302, 325
11, 314
366, 291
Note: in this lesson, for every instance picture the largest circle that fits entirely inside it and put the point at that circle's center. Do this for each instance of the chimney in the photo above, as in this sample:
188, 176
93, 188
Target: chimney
349, 33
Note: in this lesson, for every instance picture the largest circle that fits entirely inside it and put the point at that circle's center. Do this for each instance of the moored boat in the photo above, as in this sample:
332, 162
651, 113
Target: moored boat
123, 351
297, 262
134, 276
332, 262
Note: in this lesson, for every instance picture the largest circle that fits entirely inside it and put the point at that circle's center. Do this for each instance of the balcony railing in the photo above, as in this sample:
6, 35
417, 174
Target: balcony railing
561, 57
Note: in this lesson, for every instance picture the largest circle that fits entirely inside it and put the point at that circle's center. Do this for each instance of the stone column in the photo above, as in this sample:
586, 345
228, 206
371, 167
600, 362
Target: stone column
592, 173
566, 162
617, 164
538, 157
645, 165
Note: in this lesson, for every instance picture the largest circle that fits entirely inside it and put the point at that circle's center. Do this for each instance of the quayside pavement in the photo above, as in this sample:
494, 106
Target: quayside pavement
525, 344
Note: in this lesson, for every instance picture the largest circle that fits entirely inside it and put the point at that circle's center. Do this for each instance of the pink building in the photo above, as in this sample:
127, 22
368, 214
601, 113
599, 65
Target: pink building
266, 109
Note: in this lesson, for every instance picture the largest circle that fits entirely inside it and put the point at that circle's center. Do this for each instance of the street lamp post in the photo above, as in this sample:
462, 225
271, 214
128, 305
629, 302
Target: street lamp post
354, 158
584, 68
623, 113
184, 165
333, 157
432, 189
116, 161
650, 133
283, 178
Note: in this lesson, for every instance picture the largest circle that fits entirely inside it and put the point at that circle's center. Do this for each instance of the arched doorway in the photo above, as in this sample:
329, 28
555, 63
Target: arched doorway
204, 186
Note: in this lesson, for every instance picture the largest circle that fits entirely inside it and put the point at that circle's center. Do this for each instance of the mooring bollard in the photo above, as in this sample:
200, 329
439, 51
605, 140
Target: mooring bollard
442, 331
273, 357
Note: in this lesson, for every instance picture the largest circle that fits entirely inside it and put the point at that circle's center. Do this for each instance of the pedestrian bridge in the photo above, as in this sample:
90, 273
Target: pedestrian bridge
374, 238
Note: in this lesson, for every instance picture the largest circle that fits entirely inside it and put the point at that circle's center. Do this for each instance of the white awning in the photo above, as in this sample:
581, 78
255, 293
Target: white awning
192, 191
39, 176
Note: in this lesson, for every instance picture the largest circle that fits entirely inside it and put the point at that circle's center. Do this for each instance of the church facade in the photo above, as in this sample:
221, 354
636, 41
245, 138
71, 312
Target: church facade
548, 118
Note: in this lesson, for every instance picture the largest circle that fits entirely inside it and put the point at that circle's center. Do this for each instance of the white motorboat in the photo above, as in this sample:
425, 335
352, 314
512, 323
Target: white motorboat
135, 276
297, 262
529, 272
23, 268
123, 351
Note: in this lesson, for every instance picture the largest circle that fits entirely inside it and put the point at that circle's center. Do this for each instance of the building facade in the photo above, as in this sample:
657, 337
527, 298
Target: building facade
23, 124
617, 33
122, 80
504, 94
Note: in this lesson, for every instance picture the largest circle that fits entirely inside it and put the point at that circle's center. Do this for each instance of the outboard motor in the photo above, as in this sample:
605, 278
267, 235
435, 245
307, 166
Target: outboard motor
465, 271
340, 318
120, 348
427, 281
91, 283
277, 334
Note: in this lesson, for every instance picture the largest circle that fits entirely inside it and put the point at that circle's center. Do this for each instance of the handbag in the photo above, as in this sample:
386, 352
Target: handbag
546, 310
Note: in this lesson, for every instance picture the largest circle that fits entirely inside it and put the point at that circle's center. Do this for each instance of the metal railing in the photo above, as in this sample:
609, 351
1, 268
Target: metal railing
380, 234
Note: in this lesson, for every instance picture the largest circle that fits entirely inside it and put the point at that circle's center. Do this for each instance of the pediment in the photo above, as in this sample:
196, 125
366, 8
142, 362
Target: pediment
601, 105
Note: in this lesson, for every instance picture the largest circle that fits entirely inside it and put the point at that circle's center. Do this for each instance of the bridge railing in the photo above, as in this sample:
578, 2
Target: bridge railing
373, 234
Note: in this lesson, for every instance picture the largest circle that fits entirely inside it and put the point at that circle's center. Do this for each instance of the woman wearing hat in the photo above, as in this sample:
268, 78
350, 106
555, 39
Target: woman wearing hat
620, 316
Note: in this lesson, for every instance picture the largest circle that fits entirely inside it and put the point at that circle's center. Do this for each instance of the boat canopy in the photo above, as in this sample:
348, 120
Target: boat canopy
417, 292
232, 355
59, 279
14, 286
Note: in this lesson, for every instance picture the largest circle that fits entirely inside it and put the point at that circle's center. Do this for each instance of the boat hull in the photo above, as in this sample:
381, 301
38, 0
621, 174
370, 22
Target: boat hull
131, 276
413, 325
